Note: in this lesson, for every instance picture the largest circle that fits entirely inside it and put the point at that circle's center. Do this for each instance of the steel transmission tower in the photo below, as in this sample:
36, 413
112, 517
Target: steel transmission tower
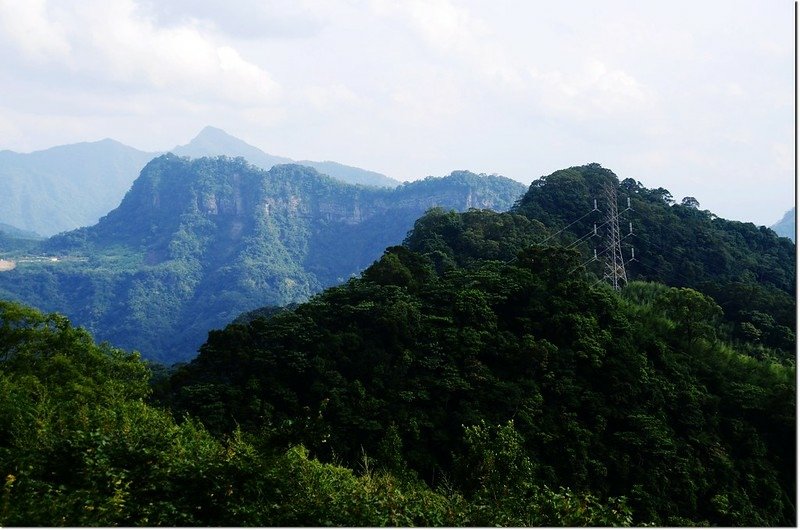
615, 264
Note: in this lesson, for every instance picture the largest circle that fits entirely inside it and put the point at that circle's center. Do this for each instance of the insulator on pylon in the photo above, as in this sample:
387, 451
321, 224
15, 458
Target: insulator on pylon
630, 228
629, 202
595, 204
595, 253
595, 229
632, 256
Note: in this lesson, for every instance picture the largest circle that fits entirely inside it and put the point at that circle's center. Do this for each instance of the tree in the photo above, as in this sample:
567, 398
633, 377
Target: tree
695, 314
690, 202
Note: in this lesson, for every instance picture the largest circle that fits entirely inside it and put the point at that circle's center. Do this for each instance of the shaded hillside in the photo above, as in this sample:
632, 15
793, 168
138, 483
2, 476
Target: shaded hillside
81, 447
212, 141
195, 243
65, 187
560, 382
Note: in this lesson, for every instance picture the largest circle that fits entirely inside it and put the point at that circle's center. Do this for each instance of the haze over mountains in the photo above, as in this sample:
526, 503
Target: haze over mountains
213, 142
70, 186
65, 187
786, 226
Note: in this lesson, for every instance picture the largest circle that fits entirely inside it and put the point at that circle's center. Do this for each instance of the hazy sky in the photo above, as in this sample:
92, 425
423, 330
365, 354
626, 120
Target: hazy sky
694, 96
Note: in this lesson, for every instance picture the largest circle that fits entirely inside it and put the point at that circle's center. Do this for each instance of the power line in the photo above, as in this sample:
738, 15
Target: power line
572, 223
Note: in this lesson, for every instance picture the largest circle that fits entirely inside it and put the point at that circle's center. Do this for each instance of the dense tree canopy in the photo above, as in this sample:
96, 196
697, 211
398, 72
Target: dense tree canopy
630, 395
79, 446
746, 268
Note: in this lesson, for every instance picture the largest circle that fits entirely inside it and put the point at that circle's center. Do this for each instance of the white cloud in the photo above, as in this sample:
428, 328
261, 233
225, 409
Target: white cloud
24, 25
594, 91
182, 59
114, 42
455, 33
245, 19
783, 157
444, 25
413, 87
8, 128
735, 90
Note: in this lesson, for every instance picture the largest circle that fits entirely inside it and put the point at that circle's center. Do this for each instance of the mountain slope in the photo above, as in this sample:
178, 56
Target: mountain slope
502, 378
67, 186
81, 446
212, 141
16, 233
785, 227
194, 243
748, 269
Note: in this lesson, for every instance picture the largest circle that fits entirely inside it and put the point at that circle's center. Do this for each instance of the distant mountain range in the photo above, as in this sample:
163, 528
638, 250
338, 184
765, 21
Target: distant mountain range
67, 186
213, 142
70, 186
14, 232
194, 243
785, 227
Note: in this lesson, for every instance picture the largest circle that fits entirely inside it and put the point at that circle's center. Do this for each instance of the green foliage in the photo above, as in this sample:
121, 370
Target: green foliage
743, 267
80, 447
195, 243
506, 492
611, 396
695, 314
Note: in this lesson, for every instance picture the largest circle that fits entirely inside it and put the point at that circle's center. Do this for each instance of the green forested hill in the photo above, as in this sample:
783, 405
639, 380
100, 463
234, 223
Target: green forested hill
749, 270
70, 186
194, 243
474, 330
80, 446
570, 384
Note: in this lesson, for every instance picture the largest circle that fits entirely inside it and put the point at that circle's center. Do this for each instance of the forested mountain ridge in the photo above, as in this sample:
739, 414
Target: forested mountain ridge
16, 233
194, 243
81, 446
70, 186
485, 326
749, 270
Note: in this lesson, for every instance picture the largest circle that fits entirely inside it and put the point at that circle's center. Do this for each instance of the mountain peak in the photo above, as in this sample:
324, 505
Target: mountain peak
213, 141
213, 132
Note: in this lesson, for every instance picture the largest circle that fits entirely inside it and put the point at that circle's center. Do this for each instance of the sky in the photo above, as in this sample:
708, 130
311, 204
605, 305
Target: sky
695, 97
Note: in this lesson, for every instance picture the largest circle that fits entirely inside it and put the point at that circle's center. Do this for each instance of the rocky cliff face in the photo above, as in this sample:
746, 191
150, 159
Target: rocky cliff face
194, 243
